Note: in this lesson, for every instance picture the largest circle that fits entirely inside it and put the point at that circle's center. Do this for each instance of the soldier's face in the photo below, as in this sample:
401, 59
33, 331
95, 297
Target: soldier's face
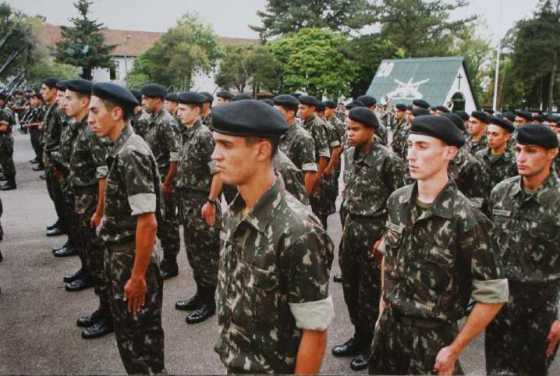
357, 133
102, 120
236, 159
555, 127
305, 111
170, 106
409, 117
399, 114
497, 136
220, 101
329, 112
289, 115
533, 160
476, 127
34, 102
428, 156
74, 105
187, 114
151, 104
519, 121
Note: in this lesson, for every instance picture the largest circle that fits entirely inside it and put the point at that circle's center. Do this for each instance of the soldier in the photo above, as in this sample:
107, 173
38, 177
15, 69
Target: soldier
420, 103
206, 115
330, 116
477, 139
129, 229
437, 254
161, 133
223, 97
199, 189
375, 172
370, 102
440, 110
171, 104
524, 337
32, 120
136, 121
7, 121
499, 161
88, 169
297, 143
292, 177
400, 131
273, 299
522, 118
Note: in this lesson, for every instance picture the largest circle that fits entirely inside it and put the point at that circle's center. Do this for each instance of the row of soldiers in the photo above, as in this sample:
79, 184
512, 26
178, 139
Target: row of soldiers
422, 251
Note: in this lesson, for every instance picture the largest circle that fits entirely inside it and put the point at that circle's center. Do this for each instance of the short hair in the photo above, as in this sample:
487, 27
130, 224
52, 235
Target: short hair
273, 140
127, 112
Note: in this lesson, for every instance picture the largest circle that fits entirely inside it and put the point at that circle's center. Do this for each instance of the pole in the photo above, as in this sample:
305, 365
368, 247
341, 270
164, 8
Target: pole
498, 55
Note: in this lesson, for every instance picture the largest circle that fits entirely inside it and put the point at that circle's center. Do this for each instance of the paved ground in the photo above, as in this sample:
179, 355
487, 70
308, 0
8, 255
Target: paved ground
38, 334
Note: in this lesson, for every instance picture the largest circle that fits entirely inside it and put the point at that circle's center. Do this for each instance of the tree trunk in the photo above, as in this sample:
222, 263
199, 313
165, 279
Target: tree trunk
552, 82
86, 73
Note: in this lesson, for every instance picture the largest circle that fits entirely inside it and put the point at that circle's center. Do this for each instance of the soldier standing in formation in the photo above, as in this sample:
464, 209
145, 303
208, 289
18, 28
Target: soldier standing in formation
7, 121
477, 139
199, 189
129, 230
32, 121
437, 254
161, 133
374, 173
273, 301
523, 338
400, 131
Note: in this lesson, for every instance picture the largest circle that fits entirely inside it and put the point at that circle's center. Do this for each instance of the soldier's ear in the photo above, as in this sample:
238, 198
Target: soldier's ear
451, 152
552, 153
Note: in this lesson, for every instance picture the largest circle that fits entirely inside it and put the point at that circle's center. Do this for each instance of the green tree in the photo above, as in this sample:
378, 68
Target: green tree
421, 28
288, 16
83, 44
313, 60
188, 49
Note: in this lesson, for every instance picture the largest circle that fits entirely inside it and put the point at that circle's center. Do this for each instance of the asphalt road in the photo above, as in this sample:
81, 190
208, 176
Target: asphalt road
38, 334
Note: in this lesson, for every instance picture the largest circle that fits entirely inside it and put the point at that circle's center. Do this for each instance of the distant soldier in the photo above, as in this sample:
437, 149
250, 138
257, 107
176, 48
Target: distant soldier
437, 255
370, 102
375, 172
129, 229
273, 285
199, 189
523, 339
223, 97
136, 121
161, 133
32, 120
7, 121
477, 139
400, 130
522, 118
206, 114
171, 104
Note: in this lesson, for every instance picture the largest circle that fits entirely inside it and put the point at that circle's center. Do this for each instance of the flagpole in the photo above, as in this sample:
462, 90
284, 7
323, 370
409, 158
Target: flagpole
498, 55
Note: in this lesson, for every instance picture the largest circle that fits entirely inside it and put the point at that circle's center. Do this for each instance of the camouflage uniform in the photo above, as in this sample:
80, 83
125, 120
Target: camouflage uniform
499, 167
162, 135
132, 189
87, 165
194, 179
527, 233
35, 115
436, 258
299, 146
400, 138
471, 176
474, 147
139, 123
273, 282
291, 176
373, 176
7, 146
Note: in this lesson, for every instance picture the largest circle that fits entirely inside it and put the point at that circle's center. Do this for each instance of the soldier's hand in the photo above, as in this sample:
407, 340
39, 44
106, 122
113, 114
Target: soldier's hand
167, 189
95, 220
553, 338
135, 293
376, 250
209, 213
445, 361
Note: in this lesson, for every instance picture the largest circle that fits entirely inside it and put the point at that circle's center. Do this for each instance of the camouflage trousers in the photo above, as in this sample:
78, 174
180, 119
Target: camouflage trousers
168, 229
140, 337
323, 201
516, 339
6, 156
90, 245
202, 242
408, 346
361, 276
71, 220
54, 188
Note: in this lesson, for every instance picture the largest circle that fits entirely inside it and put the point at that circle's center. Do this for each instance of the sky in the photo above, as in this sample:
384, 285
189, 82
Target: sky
230, 18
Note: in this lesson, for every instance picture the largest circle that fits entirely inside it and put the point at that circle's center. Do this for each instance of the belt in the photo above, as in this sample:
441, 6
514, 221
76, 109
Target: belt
418, 322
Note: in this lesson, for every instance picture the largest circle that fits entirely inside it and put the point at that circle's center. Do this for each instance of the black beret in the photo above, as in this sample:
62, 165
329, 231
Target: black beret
364, 116
115, 93
208, 98
463, 115
524, 114
321, 107
536, 134
456, 119
287, 101
442, 109
137, 94
268, 101
539, 118
488, 110
354, 104
420, 112
51, 82
439, 127
241, 96
154, 91
79, 86
368, 100
309, 100
503, 123
482, 116
401, 107
553, 118
225, 95
248, 118
330, 104
61, 85
191, 97
421, 103
509, 115
172, 97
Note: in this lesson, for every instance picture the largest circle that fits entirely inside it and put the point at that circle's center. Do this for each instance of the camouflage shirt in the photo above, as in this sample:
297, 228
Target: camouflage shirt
33, 115
400, 138
139, 123
372, 177
527, 230
499, 167
162, 135
316, 129
475, 146
68, 134
52, 127
273, 282
196, 167
298, 145
132, 187
291, 176
88, 162
339, 126
471, 176
438, 258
